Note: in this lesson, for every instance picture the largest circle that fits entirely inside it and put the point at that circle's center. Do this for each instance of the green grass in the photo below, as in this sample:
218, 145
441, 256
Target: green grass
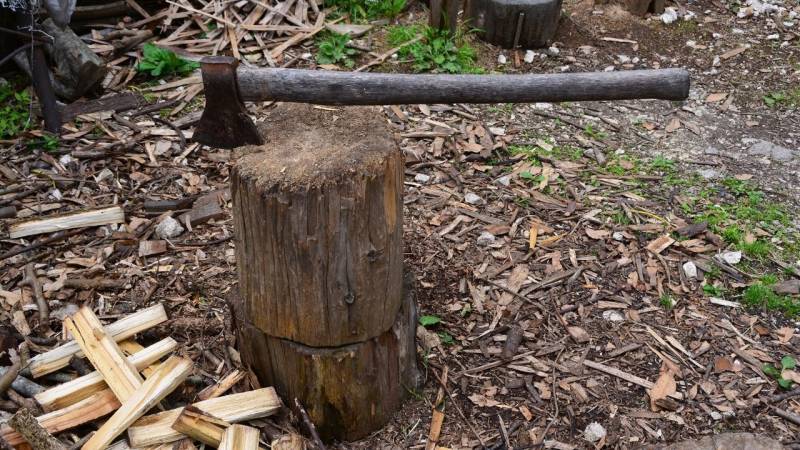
666, 301
713, 291
400, 34
14, 115
332, 49
761, 295
593, 133
362, 10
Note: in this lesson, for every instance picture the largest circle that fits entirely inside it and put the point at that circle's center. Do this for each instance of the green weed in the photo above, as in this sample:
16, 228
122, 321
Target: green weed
713, 291
158, 62
666, 301
14, 115
783, 98
438, 51
662, 164
786, 363
591, 132
360, 10
332, 49
400, 34
429, 321
46, 142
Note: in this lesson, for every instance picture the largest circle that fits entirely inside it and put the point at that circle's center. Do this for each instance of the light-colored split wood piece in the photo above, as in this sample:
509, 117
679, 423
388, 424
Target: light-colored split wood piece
104, 354
168, 377
157, 429
239, 437
71, 392
105, 216
59, 357
200, 426
86, 410
222, 386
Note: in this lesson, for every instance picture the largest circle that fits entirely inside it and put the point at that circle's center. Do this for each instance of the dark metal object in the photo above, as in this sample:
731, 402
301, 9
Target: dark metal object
224, 122
40, 77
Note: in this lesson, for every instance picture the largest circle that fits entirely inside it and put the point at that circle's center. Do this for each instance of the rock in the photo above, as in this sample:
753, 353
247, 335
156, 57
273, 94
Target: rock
594, 432
553, 51
353, 30
613, 315
473, 199
775, 152
422, 178
670, 15
711, 150
690, 269
731, 257
726, 441
618, 236
501, 59
505, 180
497, 131
169, 228
529, 56
788, 287
710, 174
485, 239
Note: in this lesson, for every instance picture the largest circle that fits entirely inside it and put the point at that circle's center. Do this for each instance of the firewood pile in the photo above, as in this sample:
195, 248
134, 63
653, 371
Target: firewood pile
123, 393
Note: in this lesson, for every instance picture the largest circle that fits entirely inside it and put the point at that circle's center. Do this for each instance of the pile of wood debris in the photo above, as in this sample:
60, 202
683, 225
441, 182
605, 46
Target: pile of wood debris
117, 388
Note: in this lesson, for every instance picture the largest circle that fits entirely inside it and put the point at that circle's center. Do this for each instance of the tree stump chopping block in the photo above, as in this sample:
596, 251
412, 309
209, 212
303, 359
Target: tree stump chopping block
321, 313
318, 219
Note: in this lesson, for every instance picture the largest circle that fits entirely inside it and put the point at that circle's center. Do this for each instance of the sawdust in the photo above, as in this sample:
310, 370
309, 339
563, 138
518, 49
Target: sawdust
311, 146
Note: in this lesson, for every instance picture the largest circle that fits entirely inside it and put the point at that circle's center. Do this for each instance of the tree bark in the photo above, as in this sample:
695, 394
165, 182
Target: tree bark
318, 219
323, 315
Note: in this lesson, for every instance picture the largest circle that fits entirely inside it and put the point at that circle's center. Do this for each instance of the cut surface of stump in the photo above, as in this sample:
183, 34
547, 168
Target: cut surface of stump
318, 219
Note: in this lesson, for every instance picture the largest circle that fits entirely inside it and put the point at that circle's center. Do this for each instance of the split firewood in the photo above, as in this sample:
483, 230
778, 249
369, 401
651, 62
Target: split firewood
200, 426
105, 216
85, 411
157, 429
240, 437
290, 441
38, 438
120, 330
222, 386
165, 380
99, 348
66, 394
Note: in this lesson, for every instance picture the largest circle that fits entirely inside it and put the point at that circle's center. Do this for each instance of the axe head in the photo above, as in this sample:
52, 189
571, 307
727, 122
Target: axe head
224, 123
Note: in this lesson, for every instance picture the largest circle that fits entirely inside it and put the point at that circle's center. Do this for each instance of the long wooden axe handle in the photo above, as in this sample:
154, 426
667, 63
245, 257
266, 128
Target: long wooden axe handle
355, 88
225, 122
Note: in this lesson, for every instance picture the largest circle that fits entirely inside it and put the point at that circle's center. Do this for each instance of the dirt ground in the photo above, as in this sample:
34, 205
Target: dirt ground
562, 224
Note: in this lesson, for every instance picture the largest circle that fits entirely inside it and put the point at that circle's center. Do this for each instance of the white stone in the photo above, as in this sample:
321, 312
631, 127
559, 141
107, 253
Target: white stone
105, 173
553, 50
609, 69
624, 59
422, 178
65, 159
529, 56
669, 16
594, 432
773, 37
690, 269
505, 180
612, 315
497, 131
540, 105
306, 55
501, 59
486, 238
169, 228
473, 199
731, 257
618, 236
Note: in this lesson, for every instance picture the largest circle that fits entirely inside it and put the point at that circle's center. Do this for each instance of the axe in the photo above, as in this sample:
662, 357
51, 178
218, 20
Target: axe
225, 123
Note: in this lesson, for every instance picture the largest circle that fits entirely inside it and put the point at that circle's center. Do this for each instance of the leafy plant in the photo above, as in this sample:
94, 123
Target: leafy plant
46, 142
14, 115
787, 363
591, 132
438, 51
332, 49
445, 338
666, 301
400, 34
662, 164
782, 98
713, 291
429, 321
159, 62
360, 10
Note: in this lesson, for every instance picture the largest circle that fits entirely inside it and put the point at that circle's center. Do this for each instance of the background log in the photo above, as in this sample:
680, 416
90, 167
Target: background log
318, 218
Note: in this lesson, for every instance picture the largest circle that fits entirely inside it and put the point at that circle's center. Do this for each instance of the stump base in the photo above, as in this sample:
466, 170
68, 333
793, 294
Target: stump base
348, 391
